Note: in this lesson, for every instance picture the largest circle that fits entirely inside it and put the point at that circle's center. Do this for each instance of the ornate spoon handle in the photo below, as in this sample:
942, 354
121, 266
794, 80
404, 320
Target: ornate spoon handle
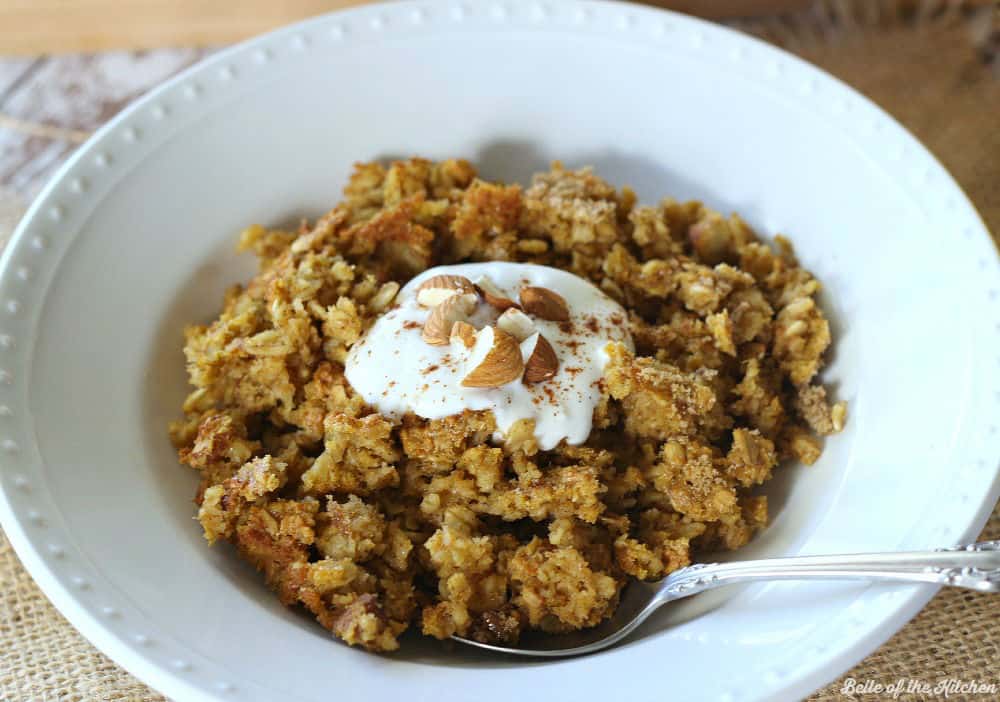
974, 566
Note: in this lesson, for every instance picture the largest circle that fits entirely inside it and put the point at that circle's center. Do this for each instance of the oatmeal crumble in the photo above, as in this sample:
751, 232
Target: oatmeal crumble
377, 523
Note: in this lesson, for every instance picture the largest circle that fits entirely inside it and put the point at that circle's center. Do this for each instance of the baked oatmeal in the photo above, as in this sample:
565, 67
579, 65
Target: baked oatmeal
478, 409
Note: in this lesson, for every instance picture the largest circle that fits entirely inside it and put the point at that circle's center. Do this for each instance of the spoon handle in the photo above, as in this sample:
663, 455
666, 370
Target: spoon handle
974, 566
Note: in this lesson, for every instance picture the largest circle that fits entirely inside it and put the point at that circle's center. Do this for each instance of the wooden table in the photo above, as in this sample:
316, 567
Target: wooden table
57, 26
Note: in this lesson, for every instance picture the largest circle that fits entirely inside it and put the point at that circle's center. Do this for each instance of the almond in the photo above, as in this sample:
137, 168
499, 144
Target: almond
437, 328
436, 289
496, 360
516, 323
384, 297
463, 333
544, 303
542, 362
492, 295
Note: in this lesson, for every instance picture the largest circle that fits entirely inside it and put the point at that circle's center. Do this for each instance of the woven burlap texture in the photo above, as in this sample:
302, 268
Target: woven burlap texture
930, 64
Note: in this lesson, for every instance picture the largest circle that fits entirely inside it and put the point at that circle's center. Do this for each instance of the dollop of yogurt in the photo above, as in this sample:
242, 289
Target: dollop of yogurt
397, 372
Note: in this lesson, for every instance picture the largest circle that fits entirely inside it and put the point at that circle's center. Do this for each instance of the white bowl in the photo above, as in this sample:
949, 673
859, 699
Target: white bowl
134, 238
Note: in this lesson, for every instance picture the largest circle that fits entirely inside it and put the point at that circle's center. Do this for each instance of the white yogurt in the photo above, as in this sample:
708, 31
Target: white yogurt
397, 372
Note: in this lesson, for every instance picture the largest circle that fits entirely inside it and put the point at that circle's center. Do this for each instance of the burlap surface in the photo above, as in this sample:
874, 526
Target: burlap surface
930, 63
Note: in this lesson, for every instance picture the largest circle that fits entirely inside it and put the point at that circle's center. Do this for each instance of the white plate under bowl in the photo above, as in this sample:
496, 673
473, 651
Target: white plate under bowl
134, 238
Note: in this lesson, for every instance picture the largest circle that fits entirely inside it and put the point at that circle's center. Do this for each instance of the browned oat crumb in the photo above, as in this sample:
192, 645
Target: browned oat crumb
375, 524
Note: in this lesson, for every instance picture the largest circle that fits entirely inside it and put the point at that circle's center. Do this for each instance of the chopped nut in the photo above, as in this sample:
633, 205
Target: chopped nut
463, 333
838, 415
496, 360
437, 328
542, 362
436, 289
532, 247
516, 323
544, 303
492, 294
796, 328
384, 297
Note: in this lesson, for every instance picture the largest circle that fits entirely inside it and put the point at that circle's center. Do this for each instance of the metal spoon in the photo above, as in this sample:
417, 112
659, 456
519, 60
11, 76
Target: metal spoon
975, 566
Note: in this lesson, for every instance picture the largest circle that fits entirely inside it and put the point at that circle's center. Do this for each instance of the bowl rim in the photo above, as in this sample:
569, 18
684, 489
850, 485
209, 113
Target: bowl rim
178, 685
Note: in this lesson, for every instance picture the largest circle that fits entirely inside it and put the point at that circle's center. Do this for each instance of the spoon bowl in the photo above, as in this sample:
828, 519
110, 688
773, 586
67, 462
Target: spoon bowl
974, 567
